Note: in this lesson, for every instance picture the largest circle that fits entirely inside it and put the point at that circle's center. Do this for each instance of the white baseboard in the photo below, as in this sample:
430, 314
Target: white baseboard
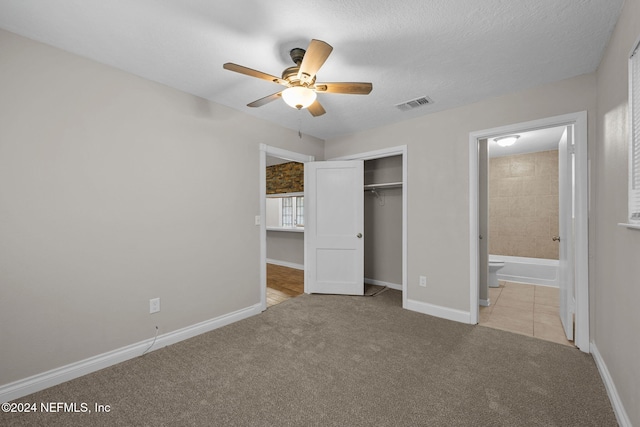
484, 302
56, 376
614, 397
381, 283
439, 311
285, 264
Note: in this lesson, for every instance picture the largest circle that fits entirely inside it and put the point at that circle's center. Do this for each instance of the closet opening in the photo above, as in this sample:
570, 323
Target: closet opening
383, 223
384, 219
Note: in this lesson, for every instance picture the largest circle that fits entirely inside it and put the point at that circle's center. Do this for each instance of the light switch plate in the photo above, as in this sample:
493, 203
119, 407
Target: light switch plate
154, 305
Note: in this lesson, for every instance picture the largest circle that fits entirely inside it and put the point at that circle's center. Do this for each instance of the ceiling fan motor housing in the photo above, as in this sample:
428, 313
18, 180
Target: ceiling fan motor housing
297, 54
291, 75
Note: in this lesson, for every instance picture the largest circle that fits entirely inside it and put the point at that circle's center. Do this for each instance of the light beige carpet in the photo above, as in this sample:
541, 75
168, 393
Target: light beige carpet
341, 361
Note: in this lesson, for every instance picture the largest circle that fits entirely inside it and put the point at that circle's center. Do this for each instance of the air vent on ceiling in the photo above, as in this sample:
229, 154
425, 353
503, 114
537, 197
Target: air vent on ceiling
415, 103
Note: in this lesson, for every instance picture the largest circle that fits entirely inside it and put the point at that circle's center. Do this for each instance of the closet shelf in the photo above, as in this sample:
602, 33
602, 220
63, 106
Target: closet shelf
383, 185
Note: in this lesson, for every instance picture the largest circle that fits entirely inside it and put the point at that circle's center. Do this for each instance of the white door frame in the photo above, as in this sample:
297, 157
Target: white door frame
379, 154
267, 150
579, 120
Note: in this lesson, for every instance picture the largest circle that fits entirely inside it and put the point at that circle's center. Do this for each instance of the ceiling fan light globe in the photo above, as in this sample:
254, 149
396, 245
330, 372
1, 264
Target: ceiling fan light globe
299, 97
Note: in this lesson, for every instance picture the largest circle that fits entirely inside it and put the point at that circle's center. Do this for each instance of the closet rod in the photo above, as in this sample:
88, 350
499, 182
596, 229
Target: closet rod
383, 185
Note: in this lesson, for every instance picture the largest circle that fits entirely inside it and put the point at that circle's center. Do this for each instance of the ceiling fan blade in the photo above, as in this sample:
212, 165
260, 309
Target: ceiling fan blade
317, 52
267, 99
352, 88
254, 73
316, 109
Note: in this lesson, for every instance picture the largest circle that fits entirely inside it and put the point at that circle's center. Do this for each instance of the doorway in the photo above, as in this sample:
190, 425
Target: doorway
520, 178
283, 271
285, 229
574, 235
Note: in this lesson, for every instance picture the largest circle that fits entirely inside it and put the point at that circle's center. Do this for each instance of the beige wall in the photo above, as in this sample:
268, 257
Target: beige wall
285, 246
438, 177
383, 236
615, 252
111, 193
523, 205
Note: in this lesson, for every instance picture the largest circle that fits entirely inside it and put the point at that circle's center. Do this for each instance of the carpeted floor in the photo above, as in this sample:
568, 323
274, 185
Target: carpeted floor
341, 361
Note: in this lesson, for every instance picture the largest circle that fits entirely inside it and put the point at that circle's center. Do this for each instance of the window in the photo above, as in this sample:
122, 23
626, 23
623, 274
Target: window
285, 211
634, 143
299, 210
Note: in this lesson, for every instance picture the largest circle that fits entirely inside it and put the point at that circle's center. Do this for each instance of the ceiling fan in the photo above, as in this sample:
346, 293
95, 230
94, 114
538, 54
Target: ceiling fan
300, 80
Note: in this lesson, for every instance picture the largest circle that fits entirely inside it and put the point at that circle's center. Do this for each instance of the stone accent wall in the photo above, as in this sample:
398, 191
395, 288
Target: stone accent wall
285, 178
523, 205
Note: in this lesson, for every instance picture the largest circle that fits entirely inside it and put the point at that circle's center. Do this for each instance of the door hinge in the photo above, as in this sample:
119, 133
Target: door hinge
571, 149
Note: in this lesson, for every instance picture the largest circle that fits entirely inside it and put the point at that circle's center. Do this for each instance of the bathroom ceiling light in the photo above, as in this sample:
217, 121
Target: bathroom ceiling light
506, 141
298, 97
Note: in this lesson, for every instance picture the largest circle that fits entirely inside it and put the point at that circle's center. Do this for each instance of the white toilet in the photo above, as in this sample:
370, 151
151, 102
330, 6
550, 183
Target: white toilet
494, 266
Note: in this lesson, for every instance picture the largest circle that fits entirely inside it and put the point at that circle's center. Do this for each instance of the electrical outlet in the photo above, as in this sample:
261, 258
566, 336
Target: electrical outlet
154, 305
423, 281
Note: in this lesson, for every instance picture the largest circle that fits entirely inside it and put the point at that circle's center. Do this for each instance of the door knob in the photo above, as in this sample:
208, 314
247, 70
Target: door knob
359, 235
556, 238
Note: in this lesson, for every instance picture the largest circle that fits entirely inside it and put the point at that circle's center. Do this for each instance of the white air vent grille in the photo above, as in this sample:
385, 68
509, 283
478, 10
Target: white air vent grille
415, 103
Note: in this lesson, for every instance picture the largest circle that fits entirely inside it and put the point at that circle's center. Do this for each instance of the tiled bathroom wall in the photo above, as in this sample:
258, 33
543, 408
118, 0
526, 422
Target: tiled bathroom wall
523, 205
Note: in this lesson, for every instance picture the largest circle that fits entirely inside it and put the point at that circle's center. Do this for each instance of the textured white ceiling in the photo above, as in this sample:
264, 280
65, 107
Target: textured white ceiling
454, 51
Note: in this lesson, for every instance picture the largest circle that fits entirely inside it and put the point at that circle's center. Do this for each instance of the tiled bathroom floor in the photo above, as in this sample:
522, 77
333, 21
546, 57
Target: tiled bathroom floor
525, 309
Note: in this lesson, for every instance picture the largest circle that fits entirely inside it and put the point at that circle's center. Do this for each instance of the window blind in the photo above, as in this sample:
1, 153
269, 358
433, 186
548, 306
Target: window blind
634, 144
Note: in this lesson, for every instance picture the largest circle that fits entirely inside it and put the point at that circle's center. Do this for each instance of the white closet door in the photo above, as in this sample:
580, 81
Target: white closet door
334, 227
